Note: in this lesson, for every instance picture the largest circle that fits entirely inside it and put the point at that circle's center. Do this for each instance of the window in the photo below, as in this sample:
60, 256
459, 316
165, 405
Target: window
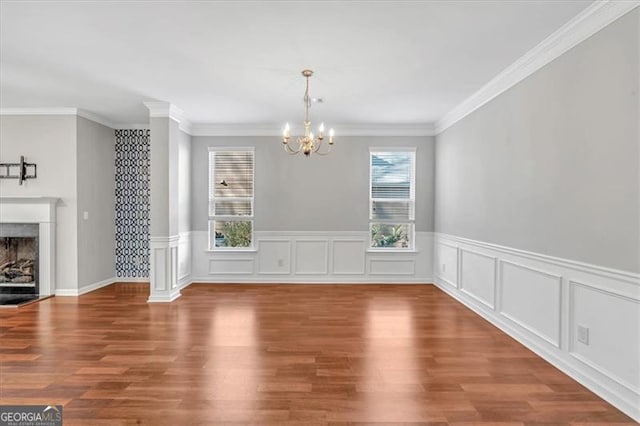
231, 198
392, 198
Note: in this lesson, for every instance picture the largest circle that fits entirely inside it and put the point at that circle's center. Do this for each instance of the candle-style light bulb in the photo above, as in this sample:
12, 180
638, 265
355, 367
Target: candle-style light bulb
286, 133
321, 130
311, 135
331, 134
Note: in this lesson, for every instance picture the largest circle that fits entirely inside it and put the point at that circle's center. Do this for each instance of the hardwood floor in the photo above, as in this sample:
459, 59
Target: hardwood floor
281, 354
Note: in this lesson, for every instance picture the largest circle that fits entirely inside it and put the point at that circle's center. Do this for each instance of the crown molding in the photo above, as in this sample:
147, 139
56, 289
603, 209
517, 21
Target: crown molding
130, 126
386, 129
59, 111
39, 111
591, 20
96, 118
260, 129
158, 109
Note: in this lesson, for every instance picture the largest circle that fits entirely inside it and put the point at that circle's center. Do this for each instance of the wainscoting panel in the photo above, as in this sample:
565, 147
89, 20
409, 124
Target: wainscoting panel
381, 266
311, 256
608, 334
314, 257
532, 299
349, 257
234, 266
542, 300
478, 276
274, 257
184, 256
446, 263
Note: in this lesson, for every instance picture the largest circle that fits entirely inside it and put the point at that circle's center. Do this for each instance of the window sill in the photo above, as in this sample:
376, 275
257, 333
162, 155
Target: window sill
233, 250
383, 250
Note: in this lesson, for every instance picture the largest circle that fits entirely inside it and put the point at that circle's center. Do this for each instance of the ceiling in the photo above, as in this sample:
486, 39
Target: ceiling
239, 62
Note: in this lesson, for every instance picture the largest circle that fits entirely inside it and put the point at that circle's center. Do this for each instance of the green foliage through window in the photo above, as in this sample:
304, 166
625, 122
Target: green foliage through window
233, 234
393, 236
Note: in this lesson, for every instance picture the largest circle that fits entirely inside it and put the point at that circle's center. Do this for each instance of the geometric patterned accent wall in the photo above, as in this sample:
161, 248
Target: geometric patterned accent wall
132, 202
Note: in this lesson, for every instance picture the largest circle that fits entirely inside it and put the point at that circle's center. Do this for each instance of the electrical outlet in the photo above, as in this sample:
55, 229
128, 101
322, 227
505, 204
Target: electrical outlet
280, 263
85, 215
583, 334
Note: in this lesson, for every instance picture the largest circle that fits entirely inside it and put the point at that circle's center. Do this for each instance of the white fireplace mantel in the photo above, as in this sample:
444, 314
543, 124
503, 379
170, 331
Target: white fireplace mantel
40, 210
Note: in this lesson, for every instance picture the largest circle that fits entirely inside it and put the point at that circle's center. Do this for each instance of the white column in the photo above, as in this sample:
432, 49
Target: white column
164, 124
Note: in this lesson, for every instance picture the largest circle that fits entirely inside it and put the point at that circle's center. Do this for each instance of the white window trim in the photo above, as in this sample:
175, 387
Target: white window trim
412, 201
212, 219
233, 148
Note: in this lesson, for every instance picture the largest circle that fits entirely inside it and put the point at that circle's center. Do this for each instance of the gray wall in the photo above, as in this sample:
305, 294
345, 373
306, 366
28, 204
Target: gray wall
50, 142
96, 195
551, 165
331, 193
184, 182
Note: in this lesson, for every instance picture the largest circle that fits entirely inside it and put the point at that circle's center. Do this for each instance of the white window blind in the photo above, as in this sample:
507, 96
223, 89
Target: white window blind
231, 195
392, 198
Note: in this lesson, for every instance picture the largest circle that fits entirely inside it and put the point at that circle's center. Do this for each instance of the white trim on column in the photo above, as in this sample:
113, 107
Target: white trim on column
168, 110
591, 20
163, 274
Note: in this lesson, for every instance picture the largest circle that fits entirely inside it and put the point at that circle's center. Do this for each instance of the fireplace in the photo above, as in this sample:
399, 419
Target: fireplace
18, 262
27, 249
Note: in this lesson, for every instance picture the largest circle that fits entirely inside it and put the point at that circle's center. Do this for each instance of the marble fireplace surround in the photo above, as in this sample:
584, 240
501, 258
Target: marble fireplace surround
40, 210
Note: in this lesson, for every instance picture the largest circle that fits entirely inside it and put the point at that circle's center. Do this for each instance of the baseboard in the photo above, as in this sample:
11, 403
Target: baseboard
64, 292
164, 298
184, 282
86, 289
288, 280
132, 279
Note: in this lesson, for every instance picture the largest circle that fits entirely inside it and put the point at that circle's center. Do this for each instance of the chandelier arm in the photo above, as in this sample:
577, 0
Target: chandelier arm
318, 146
317, 151
290, 150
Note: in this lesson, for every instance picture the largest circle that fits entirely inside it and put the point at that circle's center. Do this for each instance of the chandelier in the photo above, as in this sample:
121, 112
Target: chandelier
308, 143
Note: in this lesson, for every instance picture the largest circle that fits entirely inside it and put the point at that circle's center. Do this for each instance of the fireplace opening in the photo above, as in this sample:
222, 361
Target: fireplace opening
17, 260
18, 263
